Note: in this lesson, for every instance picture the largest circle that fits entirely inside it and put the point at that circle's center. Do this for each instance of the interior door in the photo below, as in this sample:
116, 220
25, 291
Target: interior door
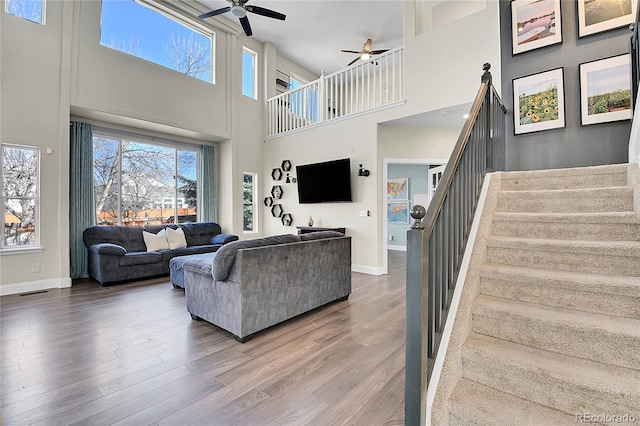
435, 174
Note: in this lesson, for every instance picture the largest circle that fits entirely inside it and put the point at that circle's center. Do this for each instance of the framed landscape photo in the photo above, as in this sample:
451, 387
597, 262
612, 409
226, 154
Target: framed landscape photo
398, 213
535, 24
596, 16
398, 189
605, 90
538, 102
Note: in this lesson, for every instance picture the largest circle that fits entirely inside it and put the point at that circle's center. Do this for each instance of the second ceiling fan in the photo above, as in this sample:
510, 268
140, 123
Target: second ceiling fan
366, 53
239, 9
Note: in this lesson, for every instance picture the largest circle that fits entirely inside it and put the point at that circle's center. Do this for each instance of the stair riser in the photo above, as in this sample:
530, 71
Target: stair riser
539, 386
535, 292
541, 203
595, 262
564, 182
567, 231
591, 344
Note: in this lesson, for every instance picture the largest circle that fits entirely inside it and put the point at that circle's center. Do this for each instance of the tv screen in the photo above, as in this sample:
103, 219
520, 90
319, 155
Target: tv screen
326, 182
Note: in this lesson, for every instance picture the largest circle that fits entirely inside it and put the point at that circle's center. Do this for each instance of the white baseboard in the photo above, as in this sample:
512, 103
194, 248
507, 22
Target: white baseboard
371, 270
30, 286
396, 248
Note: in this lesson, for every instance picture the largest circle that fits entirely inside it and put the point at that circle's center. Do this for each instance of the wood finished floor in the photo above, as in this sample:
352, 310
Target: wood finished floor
131, 355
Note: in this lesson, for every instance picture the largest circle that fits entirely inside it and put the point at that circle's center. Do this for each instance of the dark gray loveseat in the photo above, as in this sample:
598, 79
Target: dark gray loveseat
253, 284
119, 253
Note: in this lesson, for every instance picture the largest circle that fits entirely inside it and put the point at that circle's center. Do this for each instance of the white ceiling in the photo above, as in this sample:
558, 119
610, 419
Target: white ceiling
316, 30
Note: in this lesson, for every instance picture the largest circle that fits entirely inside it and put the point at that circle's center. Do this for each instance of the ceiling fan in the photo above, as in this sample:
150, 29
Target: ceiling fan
366, 53
239, 9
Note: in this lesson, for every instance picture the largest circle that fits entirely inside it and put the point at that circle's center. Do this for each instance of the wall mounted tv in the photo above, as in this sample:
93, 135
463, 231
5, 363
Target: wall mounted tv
326, 182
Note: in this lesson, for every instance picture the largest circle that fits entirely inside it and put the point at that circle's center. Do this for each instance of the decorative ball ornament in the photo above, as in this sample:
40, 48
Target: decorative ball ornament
418, 212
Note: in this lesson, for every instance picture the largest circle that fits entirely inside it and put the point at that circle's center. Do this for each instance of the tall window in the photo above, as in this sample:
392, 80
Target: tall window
20, 196
141, 183
31, 10
304, 102
249, 73
250, 197
137, 29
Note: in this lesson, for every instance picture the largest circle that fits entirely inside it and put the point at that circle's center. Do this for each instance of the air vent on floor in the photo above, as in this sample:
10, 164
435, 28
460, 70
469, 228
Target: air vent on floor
33, 292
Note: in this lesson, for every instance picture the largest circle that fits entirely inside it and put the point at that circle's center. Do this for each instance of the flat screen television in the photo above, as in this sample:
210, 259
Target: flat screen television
327, 182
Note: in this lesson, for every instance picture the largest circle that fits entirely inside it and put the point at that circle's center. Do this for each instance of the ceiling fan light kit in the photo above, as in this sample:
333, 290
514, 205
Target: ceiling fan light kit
239, 9
366, 53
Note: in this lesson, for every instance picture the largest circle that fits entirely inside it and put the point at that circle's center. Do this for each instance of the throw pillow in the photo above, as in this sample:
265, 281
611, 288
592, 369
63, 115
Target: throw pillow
156, 242
176, 238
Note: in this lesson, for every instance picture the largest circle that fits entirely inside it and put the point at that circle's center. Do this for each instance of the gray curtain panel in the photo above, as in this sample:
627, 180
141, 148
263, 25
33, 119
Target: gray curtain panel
81, 205
208, 202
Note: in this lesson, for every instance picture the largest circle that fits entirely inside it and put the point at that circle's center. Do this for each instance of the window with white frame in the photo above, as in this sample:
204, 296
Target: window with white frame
31, 10
250, 206
249, 73
141, 29
140, 182
20, 197
303, 102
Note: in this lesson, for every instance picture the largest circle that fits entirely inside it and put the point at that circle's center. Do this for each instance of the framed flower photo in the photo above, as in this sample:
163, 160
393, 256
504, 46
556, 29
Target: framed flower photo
605, 90
538, 102
596, 16
535, 24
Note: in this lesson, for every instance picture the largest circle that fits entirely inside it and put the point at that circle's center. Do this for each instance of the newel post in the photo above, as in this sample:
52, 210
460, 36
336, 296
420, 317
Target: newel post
488, 102
416, 321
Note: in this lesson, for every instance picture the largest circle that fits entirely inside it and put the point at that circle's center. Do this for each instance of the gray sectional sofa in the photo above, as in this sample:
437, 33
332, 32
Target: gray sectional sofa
250, 285
118, 253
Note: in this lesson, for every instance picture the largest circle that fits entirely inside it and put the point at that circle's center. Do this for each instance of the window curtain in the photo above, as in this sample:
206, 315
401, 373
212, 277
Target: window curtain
81, 206
208, 202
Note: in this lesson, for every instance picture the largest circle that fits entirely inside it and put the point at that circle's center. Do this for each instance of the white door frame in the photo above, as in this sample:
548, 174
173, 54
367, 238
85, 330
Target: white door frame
385, 169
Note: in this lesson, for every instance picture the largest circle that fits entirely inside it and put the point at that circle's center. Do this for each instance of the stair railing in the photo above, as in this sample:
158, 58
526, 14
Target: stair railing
435, 244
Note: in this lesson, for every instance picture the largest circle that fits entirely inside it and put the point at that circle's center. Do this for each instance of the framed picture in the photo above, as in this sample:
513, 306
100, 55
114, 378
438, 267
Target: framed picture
398, 189
596, 16
535, 24
538, 102
398, 213
605, 90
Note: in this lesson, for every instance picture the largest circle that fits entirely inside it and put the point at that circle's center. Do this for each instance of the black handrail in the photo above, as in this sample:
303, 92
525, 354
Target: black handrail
435, 245
634, 49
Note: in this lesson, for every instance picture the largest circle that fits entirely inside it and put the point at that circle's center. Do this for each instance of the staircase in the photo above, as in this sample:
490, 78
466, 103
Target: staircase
554, 333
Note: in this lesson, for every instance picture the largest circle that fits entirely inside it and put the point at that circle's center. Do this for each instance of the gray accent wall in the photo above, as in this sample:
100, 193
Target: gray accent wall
574, 145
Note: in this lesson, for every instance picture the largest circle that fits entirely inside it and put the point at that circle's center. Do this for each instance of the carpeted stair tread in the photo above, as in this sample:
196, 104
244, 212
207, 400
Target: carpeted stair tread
555, 380
579, 177
474, 403
583, 200
612, 284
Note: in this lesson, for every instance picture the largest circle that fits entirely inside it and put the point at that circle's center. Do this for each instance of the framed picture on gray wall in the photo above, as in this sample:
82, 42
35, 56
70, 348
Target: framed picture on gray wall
605, 90
596, 16
535, 24
538, 102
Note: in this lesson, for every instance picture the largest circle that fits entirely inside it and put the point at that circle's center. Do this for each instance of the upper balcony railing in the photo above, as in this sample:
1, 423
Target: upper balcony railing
369, 85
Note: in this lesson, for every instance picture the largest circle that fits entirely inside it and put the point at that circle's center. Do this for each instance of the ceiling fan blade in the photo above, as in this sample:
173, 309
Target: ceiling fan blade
214, 12
367, 45
354, 61
352, 51
244, 21
377, 52
266, 12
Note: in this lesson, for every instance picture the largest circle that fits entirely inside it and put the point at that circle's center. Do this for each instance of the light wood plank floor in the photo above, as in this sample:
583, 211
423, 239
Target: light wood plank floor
131, 355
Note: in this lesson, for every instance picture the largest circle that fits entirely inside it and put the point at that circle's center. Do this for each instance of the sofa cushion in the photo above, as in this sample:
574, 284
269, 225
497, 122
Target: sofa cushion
108, 248
129, 237
139, 258
226, 255
198, 234
223, 239
320, 235
176, 238
156, 242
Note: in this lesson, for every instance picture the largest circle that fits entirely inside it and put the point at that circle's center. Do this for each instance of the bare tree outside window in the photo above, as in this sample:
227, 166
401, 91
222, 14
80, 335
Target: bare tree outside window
19, 195
188, 55
31, 10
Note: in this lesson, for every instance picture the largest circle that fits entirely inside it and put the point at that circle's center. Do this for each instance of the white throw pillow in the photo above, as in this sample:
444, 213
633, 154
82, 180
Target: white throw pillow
156, 242
176, 238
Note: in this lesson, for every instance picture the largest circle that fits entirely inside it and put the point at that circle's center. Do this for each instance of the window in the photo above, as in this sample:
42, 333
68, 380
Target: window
31, 10
140, 183
304, 102
249, 73
20, 197
151, 34
250, 207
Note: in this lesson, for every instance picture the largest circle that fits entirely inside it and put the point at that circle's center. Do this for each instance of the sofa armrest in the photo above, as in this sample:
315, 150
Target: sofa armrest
223, 238
108, 248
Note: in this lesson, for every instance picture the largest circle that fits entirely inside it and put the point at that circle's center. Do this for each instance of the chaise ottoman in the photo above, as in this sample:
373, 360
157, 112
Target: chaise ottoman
176, 272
